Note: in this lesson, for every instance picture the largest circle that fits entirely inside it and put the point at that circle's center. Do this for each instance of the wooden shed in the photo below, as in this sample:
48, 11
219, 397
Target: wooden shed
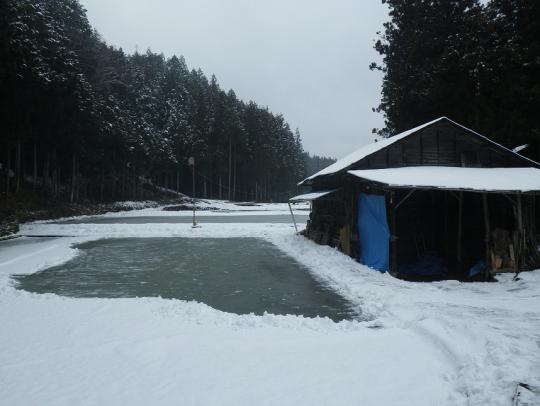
434, 202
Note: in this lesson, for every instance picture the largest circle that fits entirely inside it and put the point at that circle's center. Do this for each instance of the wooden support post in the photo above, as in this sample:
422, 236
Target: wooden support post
293, 219
393, 239
532, 220
446, 240
519, 213
459, 255
520, 246
487, 234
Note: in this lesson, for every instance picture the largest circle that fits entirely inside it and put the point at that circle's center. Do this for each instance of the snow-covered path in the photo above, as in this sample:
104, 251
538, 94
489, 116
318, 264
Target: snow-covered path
445, 343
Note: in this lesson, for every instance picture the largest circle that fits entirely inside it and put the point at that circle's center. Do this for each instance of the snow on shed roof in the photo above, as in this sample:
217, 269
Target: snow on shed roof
311, 196
367, 150
363, 152
456, 178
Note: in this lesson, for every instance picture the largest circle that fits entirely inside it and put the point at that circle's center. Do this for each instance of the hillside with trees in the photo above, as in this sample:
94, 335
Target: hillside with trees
84, 121
314, 163
475, 62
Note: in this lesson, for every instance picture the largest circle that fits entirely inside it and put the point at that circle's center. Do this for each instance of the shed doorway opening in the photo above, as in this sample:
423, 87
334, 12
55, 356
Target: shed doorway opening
451, 235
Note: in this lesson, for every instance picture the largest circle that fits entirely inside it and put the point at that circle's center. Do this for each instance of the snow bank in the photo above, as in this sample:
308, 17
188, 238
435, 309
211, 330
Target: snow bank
444, 343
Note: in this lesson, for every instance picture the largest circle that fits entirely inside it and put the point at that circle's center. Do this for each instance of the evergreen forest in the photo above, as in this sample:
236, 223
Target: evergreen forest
476, 62
83, 120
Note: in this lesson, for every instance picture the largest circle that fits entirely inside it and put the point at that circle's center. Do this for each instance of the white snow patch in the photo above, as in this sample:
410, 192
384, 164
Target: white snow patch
444, 177
444, 343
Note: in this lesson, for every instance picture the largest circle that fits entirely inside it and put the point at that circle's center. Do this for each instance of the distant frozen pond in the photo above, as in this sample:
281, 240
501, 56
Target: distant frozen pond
238, 275
246, 218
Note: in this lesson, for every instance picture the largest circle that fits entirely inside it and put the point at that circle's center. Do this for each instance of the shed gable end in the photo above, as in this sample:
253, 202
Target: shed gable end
442, 144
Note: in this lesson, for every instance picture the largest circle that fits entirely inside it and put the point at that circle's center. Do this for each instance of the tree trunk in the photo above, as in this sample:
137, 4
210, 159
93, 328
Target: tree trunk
73, 178
57, 182
18, 166
102, 183
134, 182
34, 183
123, 180
8, 169
234, 181
230, 167
46, 169
113, 186
55, 174
79, 182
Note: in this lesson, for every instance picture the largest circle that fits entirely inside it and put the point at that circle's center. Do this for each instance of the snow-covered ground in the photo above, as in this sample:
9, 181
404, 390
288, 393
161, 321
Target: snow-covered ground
444, 343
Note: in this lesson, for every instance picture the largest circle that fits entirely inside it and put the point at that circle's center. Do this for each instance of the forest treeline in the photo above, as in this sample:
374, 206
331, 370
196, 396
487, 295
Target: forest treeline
474, 61
314, 163
83, 120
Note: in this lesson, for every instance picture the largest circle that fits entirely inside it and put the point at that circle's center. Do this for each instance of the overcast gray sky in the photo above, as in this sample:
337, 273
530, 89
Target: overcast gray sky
306, 59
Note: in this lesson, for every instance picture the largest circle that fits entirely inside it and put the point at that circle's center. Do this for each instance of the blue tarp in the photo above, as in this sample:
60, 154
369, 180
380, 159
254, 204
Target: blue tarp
373, 232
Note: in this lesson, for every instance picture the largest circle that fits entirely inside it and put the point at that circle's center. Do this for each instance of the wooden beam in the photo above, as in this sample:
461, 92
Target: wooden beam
520, 246
405, 198
519, 214
509, 198
393, 239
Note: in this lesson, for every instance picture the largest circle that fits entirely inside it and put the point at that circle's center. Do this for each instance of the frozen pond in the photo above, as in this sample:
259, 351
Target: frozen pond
237, 275
246, 218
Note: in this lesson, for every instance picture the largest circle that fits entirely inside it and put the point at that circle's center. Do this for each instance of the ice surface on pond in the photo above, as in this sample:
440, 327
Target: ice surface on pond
238, 275
186, 218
